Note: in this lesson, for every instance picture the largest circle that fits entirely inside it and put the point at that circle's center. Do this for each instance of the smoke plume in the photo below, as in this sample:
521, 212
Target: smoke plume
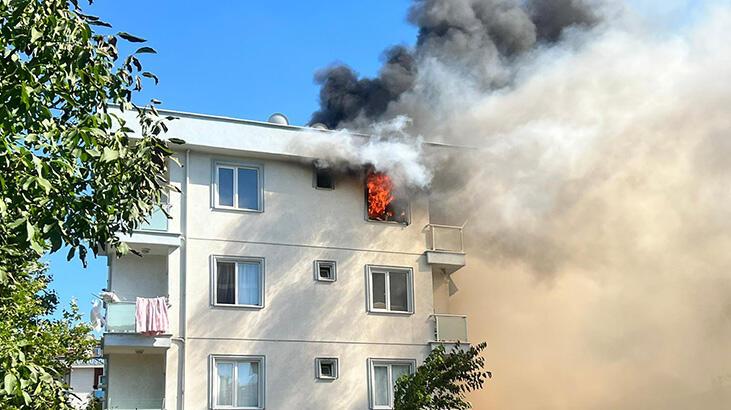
597, 194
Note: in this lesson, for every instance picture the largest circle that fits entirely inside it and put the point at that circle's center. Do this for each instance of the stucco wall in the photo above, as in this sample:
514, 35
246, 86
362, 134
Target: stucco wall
135, 380
134, 276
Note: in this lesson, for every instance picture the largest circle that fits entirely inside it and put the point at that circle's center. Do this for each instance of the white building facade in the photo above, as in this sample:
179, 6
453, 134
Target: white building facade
282, 293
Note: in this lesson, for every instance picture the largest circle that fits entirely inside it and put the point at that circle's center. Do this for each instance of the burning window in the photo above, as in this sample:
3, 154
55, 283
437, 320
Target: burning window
383, 204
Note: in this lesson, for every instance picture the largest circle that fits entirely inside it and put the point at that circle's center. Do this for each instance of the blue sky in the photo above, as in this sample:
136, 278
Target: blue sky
248, 59
243, 59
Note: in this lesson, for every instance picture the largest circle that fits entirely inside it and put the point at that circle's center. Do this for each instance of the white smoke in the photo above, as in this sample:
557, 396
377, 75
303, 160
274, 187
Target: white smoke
387, 148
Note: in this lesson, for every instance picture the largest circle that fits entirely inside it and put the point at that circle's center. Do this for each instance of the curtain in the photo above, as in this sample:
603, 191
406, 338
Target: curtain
380, 386
225, 283
249, 281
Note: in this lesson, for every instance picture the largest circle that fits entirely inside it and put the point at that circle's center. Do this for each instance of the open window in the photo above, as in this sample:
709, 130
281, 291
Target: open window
383, 203
323, 177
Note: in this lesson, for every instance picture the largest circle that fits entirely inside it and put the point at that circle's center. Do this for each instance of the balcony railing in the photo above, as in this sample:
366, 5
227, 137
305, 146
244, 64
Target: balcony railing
157, 221
136, 404
121, 317
445, 238
450, 328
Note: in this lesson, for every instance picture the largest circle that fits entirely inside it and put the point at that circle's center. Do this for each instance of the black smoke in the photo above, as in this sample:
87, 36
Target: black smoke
468, 34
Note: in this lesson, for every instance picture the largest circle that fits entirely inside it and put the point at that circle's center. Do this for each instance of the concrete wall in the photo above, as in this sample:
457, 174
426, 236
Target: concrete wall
82, 382
135, 380
134, 276
301, 318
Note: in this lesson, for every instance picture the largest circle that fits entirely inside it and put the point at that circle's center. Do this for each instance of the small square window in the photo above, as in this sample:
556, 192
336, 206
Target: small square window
324, 177
327, 368
325, 271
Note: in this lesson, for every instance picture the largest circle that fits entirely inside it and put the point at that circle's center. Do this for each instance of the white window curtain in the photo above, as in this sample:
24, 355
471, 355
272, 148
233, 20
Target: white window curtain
249, 282
380, 386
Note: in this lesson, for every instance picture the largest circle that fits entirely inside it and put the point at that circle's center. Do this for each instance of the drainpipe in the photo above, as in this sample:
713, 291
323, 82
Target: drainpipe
183, 271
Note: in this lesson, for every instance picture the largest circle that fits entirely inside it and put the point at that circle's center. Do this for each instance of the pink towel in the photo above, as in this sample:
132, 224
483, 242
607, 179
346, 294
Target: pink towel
151, 316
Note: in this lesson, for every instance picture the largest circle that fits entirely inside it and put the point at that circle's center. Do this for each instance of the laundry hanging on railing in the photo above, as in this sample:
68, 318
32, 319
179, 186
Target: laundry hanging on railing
151, 316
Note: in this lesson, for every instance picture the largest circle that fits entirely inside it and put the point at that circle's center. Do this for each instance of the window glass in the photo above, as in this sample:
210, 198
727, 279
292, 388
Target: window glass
379, 290
398, 286
398, 370
226, 186
248, 188
380, 386
225, 373
326, 369
248, 384
249, 280
225, 283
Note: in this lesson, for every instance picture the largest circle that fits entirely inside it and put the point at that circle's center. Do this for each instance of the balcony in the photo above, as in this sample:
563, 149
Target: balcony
121, 336
135, 404
154, 236
445, 247
450, 329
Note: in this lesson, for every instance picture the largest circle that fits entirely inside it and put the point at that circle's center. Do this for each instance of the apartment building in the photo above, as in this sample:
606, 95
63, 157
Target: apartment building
284, 290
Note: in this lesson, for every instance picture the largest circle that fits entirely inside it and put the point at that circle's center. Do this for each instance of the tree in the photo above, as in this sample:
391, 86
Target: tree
442, 381
70, 178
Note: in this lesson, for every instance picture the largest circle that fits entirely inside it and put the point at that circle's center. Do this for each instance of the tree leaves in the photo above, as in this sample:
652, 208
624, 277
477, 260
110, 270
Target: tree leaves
145, 50
130, 37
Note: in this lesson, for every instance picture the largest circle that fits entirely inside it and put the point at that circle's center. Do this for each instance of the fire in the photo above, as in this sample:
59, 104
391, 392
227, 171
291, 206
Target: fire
379, 195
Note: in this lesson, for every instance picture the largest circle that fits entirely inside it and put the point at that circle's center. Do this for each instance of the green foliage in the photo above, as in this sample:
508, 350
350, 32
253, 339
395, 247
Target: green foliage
70, 176
443, 380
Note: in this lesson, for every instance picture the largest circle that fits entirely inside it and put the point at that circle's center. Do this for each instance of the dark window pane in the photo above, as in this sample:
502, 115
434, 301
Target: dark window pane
379, 290
248, 188
324, 178
226, 186
326, 369
225, 283
398, 285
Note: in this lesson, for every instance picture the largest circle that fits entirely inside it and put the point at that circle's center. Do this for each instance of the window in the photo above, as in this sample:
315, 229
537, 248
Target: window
239, 282
325, 271
383, 376
237, 382
390, 289
238, 187
384, 202
327, 368
324, 177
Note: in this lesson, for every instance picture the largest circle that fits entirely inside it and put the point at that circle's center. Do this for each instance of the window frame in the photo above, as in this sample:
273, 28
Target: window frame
321, 262
318, 369
315, 168
236, 260
235, 166
213, 380
372, 363
387, 270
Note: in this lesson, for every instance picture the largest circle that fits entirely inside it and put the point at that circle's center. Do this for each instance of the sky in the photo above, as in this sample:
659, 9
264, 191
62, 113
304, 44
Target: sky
244, 59
249, 59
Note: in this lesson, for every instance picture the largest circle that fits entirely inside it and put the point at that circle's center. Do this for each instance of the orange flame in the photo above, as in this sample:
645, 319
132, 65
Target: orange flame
379, 195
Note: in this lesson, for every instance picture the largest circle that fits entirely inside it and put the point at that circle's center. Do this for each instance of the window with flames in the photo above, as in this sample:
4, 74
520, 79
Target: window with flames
383, 203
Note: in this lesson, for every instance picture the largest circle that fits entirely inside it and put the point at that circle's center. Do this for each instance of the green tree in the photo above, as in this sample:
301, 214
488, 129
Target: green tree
70, 178
443, 380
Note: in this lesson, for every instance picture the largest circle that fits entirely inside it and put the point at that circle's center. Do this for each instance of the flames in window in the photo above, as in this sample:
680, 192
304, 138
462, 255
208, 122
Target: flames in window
382, 204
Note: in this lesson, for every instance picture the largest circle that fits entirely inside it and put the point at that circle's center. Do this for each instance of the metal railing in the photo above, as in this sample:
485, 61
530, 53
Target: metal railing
136, 404
121, 317
445, 238
157, 221
450, 328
